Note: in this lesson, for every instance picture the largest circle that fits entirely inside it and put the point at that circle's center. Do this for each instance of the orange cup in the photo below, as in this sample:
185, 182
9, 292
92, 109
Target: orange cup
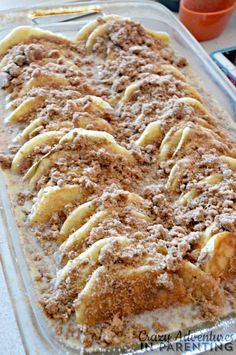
206, 19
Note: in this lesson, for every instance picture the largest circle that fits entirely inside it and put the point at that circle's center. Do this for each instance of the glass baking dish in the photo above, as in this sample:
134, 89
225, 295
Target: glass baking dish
67, 19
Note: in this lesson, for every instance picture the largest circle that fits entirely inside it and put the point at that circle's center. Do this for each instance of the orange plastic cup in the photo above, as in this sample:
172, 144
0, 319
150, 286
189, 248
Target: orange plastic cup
206, 19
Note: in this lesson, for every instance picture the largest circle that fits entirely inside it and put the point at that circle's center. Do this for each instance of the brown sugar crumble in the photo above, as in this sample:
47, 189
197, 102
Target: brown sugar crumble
125, 183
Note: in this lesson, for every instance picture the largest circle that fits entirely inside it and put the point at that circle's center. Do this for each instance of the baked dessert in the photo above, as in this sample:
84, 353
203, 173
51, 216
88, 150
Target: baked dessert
124, 183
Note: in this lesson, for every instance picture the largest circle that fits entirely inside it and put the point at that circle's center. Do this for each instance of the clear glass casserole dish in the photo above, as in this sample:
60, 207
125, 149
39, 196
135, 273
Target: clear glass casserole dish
68, 19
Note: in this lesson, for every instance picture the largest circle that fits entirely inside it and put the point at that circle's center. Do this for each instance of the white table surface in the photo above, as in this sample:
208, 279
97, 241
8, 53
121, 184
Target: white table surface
10, 342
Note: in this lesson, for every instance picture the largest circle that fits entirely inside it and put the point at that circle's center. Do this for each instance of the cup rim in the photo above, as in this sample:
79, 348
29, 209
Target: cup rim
207, 13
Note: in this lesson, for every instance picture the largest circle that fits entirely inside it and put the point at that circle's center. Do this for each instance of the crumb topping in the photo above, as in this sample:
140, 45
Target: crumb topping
125, 201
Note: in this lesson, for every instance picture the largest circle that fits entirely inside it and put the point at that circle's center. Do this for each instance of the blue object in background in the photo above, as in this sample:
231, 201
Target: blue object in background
225, 58
173, 5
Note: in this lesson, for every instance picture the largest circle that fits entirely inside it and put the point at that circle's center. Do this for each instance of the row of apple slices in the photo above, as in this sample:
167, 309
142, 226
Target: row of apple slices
172, 147
92, 274
88, 33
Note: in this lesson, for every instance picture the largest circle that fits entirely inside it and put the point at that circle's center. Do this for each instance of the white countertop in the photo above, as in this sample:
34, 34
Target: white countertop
10, 341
